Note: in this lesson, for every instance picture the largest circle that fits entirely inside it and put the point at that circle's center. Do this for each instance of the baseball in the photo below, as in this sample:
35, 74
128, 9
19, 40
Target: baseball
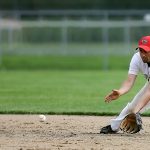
42, 118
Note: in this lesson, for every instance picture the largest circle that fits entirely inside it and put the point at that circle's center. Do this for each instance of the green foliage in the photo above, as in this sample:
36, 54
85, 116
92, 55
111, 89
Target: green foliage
62, 92
68, 4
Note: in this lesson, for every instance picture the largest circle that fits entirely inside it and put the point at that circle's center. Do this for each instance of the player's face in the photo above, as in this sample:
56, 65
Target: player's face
145, 55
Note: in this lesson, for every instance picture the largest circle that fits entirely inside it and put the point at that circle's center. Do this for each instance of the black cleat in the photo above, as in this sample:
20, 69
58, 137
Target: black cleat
107, 130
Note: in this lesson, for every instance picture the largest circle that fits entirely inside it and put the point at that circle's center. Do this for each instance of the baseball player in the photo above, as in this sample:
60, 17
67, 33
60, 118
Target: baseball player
140, 62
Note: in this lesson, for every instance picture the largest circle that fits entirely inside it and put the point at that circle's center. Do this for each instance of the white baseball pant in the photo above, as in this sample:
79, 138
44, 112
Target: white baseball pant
115, 123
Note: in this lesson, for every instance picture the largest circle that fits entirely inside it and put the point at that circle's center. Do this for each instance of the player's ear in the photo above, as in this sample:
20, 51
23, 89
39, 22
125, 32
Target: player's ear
137, 50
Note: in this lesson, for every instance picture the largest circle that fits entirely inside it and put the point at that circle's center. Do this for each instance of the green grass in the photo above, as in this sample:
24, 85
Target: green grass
62, 92
65, 62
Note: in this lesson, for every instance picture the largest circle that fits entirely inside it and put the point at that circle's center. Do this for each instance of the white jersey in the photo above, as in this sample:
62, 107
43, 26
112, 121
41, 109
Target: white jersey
137, 65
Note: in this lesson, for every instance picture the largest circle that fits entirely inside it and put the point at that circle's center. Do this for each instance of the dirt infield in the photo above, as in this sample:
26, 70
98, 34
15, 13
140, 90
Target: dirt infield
26, 132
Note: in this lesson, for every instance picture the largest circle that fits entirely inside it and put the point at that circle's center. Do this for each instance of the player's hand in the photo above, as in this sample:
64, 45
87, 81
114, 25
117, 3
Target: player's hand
112, 96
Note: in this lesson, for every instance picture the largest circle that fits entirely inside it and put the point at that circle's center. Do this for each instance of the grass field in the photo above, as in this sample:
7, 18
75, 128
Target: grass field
65, 62
62, 92
58, 55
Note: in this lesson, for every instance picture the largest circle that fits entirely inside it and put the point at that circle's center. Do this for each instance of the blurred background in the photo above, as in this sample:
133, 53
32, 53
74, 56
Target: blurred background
65, 34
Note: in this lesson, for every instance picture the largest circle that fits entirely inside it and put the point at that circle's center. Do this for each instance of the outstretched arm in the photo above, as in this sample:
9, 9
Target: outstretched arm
126, 86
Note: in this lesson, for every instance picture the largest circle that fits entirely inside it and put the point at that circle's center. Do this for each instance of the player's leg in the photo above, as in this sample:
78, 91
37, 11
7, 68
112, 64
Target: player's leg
115, 123
144, 103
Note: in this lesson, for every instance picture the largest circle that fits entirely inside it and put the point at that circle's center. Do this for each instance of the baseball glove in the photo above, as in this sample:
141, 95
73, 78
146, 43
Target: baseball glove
132, 123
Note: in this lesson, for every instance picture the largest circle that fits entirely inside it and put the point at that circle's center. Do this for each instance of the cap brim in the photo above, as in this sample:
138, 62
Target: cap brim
146, 48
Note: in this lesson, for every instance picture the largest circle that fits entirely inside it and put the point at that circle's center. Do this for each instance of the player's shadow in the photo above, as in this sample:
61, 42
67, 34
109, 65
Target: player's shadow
116, 134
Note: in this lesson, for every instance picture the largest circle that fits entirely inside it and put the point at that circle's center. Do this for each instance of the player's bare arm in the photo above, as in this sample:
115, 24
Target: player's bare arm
126, 86
144, 100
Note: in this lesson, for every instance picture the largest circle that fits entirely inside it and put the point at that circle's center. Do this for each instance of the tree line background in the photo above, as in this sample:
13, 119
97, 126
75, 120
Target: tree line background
73, 4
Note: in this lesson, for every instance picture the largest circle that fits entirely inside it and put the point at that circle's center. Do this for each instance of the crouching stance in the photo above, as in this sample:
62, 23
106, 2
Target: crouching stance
129, 119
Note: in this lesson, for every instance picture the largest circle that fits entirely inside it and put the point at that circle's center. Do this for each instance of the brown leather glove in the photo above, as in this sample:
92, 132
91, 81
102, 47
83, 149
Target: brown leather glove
132, 123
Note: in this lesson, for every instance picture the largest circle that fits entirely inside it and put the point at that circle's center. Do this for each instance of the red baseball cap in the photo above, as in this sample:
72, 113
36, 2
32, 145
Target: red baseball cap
144, 43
